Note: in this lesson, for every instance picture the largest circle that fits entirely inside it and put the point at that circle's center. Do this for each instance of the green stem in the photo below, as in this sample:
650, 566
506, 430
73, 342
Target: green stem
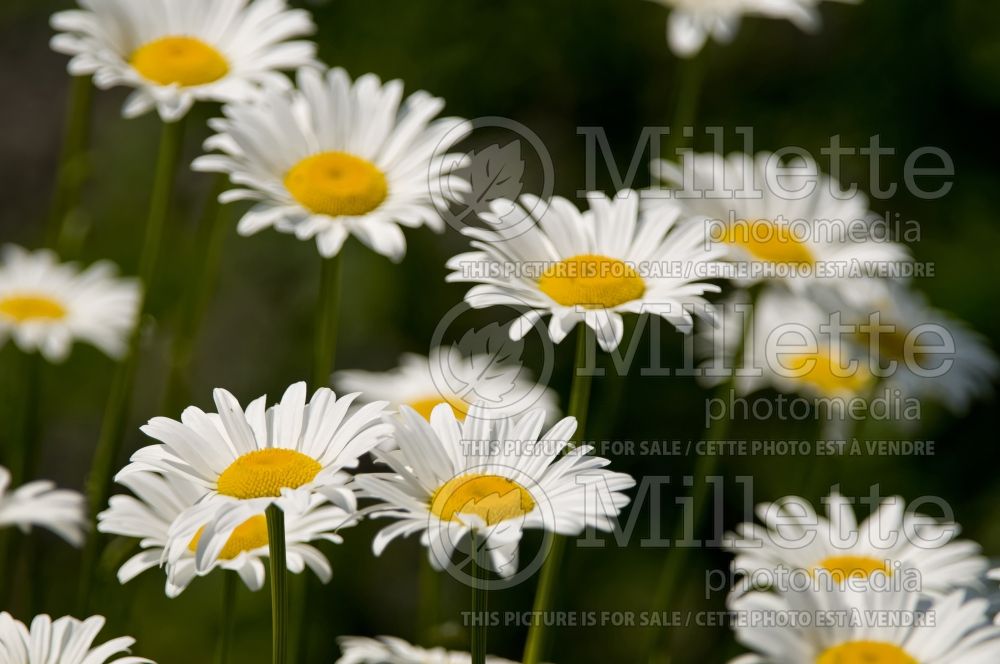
279, 588
109, 443
579, 399
326, 321
429, 600
26, 459
212, 231
72, 170
689, 75
229, 580
479, 603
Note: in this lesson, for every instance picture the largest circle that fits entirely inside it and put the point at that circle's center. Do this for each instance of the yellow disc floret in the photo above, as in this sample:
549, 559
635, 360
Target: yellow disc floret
264, 473
490, 497
184, 61
249, 535
27, 307
821, 371
865, 652
592, 281
426, 405
768, 241
337, 184
842, 568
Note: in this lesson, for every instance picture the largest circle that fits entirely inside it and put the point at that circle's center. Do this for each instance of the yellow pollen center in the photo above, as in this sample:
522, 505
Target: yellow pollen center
591, 281
184, 61
842, 568
821, 371
490, 497
337, 184
426, 405
24, 308
264, 473
768, 241
865, 652
249, 535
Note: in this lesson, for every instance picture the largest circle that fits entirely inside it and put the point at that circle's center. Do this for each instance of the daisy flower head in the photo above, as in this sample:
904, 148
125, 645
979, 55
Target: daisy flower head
488, 477
65, 640
159, 501
779, 340
393, 650
782, 221
858, 625
45, 305
495, 379
39, 503
586, 267
693, 22
245, 460
173, 53
334, 158
913, 549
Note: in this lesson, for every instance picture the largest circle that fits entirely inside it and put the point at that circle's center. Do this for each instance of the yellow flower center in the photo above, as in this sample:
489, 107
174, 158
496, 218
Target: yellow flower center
249, 535
890, 346
184, 61
337, 184
842, 568
821, 371
768, 241
865, 652
490, 497
24, 308
264, 473
426, 405
591, 281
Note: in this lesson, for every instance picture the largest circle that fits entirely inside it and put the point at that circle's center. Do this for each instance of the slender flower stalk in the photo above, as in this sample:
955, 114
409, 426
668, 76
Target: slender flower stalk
211, 239
279, 589
116, 411
228, 617
479, 602
26, 454
690, 72
326, 321
72, 170
579, 400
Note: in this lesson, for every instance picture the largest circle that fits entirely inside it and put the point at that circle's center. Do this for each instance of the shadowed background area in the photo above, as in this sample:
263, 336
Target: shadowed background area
915, 72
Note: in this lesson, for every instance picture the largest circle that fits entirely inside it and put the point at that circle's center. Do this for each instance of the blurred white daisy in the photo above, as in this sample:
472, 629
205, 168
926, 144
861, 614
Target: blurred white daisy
393, 650
892, 540
46, 306
588, 267
854, 626
159, 501
335, 158
787, 348
497, 381
957, 366
495, 477
65, 640
39, 503
247, 460
692, 22
781, 221
176, 52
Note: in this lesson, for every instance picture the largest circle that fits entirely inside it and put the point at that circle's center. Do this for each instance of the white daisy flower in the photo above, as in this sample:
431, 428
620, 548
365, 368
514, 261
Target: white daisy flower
781, 221
65, 640
692, 22
494, 477
335, 158
448, 376
247, 460
851, 626
913, 548
39, 503
159, 501
393, 650
46, 306
959, 368
588, 267
176, 52
787, 348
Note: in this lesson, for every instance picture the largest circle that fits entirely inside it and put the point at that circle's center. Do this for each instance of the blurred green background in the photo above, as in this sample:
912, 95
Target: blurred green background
916, 72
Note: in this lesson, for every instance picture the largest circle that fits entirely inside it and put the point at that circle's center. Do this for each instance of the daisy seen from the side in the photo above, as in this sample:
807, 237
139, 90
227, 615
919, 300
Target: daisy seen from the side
41, 504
